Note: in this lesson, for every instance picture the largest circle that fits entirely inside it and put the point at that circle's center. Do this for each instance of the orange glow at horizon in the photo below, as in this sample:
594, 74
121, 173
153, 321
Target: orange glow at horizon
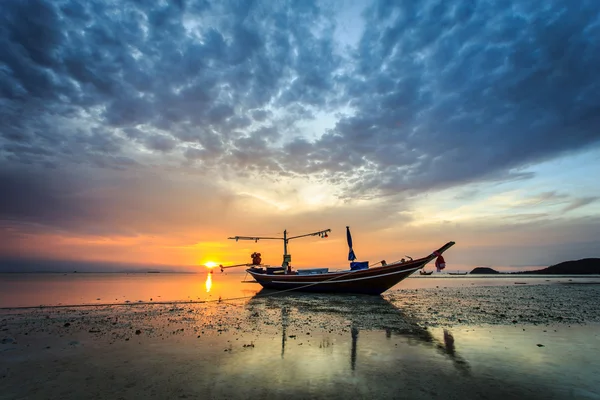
184, 250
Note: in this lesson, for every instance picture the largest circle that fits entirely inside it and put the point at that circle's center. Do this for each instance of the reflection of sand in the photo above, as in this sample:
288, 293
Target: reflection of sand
298, 346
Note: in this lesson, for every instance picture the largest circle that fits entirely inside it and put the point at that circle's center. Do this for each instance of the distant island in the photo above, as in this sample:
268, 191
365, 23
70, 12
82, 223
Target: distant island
484, 270
585, 266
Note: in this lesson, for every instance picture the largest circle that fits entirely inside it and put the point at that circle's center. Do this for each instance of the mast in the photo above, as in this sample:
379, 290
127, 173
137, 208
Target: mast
287, 258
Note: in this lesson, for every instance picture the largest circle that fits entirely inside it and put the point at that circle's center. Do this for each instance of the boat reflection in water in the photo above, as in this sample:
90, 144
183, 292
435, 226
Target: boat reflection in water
353, 316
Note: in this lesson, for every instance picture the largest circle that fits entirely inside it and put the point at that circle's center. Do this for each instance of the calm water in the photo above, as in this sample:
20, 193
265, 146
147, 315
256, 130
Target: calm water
26, 290
293, 346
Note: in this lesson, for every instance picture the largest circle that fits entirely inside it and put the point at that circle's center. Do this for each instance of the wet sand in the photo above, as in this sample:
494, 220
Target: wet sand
522, 341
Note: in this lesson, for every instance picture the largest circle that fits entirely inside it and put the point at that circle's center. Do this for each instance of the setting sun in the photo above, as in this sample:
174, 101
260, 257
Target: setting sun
210, 264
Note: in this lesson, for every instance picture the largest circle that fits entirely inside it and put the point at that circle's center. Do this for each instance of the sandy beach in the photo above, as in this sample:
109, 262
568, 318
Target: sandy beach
523, 341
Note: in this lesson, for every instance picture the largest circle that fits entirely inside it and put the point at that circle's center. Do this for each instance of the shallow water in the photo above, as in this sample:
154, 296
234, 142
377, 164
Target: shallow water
23, 290
31, 290
301, 346
141, 336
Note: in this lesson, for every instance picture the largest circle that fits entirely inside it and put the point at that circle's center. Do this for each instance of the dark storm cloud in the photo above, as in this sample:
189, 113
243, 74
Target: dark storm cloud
462, 103
449, 93
434, 94
175, 67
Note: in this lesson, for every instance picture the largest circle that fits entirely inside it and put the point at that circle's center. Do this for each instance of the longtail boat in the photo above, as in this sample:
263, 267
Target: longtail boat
360, 278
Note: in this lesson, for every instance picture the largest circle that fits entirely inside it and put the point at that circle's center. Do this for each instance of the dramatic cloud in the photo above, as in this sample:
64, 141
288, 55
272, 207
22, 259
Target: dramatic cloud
431, 90
447, 92
377, 98
197, 72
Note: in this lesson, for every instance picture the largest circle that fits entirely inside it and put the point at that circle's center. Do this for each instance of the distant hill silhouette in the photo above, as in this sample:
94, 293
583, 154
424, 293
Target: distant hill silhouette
483, 270
586, 266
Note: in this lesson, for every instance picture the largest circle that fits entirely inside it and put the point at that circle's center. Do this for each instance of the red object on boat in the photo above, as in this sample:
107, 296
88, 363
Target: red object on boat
440, 263
256, 260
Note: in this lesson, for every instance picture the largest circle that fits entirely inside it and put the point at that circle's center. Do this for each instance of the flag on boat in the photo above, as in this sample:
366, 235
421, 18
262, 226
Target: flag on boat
351, 255
440, 263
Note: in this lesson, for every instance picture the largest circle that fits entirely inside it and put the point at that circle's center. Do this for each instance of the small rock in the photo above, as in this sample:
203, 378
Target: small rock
540, 345
138, 332
67, 324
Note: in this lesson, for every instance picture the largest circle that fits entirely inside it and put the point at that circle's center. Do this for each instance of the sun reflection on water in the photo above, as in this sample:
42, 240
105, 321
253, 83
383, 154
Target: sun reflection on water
208, 282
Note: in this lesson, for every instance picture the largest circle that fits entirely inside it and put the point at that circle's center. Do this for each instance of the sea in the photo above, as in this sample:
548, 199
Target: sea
63, 289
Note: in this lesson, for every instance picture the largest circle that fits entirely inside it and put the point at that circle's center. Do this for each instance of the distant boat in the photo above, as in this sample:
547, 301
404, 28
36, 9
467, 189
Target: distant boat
360, 278
425, 272
457, 273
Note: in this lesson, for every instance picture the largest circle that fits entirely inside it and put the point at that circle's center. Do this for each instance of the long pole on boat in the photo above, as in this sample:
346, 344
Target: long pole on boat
285, 238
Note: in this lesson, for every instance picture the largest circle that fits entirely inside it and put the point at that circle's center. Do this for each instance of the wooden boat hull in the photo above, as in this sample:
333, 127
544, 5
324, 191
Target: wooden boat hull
372, 281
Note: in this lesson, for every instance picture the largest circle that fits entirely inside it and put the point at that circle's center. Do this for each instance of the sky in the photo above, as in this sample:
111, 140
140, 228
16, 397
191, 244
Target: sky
145, 133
